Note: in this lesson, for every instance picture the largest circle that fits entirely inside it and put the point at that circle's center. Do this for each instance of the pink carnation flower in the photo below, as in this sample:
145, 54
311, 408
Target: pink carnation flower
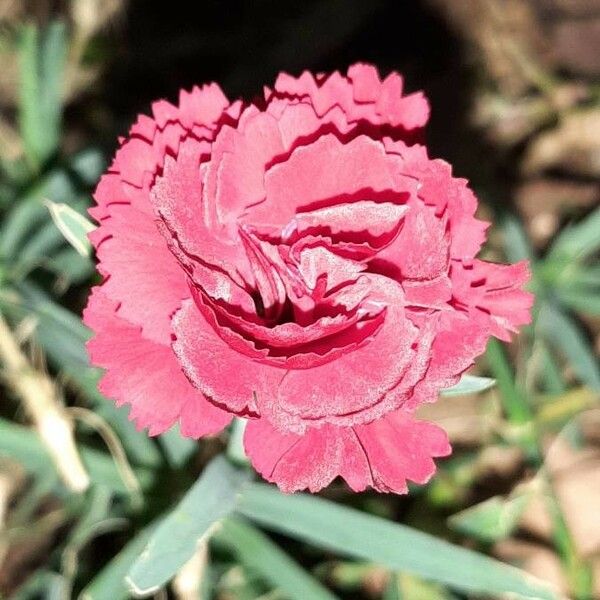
300, 262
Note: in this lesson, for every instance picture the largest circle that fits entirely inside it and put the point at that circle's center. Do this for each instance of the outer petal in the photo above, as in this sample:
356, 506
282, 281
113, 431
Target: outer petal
399, 448
383, 454
361, 95
146, 375
494, 290
449, 195
294, 462
460, 339
142, 274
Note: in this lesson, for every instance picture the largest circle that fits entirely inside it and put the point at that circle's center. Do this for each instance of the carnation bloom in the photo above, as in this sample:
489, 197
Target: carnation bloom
301, 262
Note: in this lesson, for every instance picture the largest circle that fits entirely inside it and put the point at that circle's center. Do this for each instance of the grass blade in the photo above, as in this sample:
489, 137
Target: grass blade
258, 553
400, 548
42, 62
213, 496
110, 584
469, 384
565, 336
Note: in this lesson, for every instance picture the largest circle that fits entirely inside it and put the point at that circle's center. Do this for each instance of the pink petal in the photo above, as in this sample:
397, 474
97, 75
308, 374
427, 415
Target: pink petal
353, 386
146, 375
460, 339
235, 176
432, 293
202, 106
371, 219
496, 290
327, 170
294, 462
219, 371
421, 249
142, 274
383, 454
193, 232
361, 95
400, 448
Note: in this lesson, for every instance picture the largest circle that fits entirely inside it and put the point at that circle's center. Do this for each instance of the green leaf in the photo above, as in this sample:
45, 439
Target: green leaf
46, 585
580, 299
407, 587
177, 448
513, 398
110, 584
565, 336
395, 546
516, 243
235, 445
469, 384
579, 241
490, 521
74, 226
29, 211
213, 496
72, 266
41, 70
258, 553
88, 165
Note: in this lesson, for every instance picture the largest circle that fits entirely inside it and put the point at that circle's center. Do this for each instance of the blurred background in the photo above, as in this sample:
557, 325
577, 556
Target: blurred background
515, 92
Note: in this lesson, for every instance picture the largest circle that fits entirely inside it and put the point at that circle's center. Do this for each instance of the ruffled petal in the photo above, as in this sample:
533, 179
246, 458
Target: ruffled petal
223, 374
146, 375
384, 454
494, 290
329, 172
352, 387
141, 273
361, 95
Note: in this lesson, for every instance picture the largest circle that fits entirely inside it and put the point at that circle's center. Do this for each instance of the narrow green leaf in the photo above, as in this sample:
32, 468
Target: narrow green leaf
513, 399
490, 521
42, 62
110, 584
88, 165
177, 448
42, 584
258, 553
213, 496
565, 336
552, 381
35, 586
74, 226
395, 546
40, 246
73, 267
578, 241
29, 213
516, 243
469, 384
96, 511
580, 299
235, 445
